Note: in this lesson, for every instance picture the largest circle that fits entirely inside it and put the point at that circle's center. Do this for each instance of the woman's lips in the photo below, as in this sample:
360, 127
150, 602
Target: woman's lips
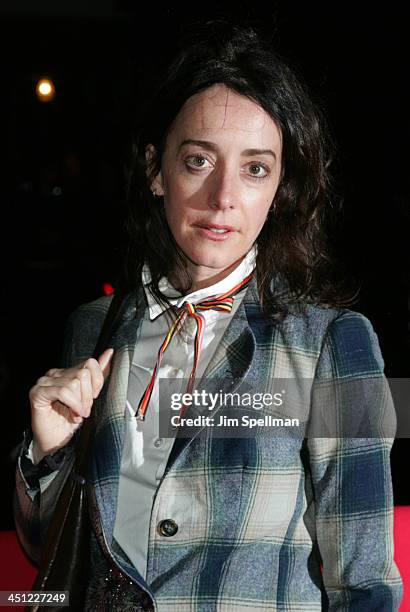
217, 233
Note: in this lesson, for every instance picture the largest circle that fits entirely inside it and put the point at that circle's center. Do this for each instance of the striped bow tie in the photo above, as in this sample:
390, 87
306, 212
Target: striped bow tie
223, 302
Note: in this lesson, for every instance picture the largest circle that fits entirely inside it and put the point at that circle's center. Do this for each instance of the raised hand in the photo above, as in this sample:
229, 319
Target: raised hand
61, 399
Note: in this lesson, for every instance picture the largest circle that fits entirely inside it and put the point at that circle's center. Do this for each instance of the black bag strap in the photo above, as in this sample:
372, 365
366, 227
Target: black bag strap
111, 322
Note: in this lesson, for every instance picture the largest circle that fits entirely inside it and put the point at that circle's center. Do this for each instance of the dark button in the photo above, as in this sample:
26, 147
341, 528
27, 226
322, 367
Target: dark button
167, 528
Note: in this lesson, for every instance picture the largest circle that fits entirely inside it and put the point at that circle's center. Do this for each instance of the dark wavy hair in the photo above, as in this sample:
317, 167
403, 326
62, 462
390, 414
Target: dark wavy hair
292, 244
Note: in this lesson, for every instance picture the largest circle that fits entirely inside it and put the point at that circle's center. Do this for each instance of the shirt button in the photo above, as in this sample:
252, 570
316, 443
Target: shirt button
158, 442
167, 527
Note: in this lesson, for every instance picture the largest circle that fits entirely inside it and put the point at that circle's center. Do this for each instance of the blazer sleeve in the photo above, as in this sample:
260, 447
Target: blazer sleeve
35, 496
349, 440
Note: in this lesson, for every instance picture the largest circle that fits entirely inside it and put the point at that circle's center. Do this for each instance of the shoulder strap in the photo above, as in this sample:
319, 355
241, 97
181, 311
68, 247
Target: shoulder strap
111, 322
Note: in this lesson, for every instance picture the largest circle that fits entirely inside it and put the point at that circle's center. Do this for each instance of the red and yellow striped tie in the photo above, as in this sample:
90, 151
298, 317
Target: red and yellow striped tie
222, 302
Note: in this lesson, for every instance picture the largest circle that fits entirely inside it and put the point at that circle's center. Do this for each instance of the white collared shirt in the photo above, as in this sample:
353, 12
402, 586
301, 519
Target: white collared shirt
145, 454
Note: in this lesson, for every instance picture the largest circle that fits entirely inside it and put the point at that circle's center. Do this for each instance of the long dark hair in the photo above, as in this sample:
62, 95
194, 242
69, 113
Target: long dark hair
292, 245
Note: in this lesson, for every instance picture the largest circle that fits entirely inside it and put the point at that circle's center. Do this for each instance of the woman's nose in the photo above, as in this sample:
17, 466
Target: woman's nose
224, 190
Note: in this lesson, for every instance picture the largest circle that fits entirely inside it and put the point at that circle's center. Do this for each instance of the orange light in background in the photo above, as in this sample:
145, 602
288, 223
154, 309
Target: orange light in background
108, 289
45, 90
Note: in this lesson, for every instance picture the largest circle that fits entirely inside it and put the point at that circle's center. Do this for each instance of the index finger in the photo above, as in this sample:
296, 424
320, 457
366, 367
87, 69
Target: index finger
97, 377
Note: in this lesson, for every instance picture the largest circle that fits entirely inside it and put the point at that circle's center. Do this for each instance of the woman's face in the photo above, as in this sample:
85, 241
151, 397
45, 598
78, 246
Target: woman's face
219, 174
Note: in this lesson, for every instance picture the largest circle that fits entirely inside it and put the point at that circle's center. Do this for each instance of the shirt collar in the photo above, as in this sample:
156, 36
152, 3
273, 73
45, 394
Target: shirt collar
236, 276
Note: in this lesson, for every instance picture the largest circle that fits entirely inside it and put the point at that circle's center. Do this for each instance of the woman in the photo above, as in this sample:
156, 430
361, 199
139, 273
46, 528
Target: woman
228, 192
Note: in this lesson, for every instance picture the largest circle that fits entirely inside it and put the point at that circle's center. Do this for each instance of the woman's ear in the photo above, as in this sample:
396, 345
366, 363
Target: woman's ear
156, 186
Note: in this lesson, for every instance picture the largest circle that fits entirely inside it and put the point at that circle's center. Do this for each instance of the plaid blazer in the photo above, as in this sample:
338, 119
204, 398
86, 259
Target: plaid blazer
266, 522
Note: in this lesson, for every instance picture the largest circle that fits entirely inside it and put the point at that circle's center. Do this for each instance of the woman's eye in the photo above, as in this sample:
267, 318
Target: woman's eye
197, 161
258, 170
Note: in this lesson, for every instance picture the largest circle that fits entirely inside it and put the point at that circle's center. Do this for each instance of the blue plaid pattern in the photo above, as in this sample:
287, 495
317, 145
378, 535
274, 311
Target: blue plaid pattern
257, 516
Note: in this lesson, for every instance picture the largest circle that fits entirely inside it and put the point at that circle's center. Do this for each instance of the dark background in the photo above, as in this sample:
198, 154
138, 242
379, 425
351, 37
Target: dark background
62, 192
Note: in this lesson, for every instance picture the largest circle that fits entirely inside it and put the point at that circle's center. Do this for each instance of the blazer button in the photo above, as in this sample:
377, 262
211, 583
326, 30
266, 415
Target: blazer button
167, 528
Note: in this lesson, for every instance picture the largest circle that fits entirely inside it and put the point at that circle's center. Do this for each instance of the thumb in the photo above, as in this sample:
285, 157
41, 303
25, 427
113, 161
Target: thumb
104, 361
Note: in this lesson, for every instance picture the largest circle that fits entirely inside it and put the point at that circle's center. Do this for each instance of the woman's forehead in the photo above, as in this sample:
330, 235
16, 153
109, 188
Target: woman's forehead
221, 108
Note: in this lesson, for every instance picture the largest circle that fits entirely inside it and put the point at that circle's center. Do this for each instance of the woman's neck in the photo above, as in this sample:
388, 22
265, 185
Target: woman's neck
205, 277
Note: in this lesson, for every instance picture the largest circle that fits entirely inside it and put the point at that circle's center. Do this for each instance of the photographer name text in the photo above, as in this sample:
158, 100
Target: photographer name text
224, 421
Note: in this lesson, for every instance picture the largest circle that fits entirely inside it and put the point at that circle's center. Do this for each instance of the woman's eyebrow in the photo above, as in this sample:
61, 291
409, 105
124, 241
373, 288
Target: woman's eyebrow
250, 152
206, 144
